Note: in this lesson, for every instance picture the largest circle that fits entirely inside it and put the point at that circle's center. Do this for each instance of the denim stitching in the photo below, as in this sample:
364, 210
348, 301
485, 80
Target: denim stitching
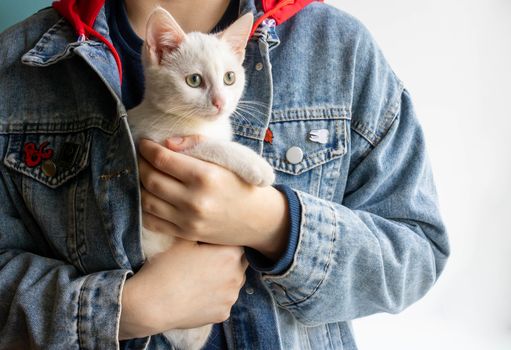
341, 334
294, 264
375, 137
329, 336
72, 240
313, 113
40, 46
327, 265
309, 161
80, 306
365, 132
318, 182
62, 127
297, 114
307, 337
119, 302
315, 159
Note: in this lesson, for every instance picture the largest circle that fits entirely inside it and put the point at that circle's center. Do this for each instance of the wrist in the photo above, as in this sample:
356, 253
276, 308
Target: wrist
128, 325
135, 321
272, 219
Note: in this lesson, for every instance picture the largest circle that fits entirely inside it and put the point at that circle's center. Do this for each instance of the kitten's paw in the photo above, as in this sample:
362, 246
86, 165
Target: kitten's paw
260, 173
267, 175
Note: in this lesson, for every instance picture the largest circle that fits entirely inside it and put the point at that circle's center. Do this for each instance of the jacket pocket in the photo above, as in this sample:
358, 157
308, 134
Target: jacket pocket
45, 167
305, 147
50, 159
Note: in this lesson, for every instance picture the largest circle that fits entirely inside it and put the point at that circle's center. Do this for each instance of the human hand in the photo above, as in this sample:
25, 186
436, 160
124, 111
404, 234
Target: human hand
187, 286
201, 201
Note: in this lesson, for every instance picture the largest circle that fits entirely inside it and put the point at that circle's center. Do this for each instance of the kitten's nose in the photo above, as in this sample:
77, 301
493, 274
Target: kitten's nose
218, 102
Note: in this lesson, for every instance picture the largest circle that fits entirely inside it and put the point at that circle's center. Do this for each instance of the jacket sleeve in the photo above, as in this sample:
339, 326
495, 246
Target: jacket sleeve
46, 303
382, 248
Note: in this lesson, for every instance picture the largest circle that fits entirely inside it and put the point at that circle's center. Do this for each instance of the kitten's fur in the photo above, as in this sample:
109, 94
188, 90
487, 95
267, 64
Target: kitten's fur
173, 108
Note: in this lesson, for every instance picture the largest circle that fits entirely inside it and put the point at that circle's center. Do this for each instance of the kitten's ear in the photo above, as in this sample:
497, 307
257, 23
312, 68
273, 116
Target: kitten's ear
237, 34
163, 34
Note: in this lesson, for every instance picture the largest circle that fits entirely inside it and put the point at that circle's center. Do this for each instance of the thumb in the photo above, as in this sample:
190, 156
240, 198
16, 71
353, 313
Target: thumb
181, 143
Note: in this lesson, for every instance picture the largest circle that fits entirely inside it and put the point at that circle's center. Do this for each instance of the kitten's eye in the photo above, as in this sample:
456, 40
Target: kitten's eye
229, 78
194, 80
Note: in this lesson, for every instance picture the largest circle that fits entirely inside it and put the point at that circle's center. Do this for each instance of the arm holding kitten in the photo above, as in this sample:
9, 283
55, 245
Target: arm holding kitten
201, 201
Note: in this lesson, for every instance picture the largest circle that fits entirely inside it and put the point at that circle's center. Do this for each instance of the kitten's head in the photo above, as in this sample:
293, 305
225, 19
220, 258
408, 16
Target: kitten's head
194, 75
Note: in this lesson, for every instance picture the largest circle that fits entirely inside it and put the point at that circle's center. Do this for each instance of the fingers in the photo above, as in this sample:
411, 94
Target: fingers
156, 206
160, 184
179, 144
156, 224
244, 262
177, 165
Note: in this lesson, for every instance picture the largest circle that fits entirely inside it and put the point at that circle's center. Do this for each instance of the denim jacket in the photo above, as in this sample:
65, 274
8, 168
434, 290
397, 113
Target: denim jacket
371, 238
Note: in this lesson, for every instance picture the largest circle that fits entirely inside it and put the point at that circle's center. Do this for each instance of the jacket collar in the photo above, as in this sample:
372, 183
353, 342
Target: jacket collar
59, 42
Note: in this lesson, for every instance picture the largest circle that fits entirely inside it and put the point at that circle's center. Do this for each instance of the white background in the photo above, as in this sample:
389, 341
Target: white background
455, 58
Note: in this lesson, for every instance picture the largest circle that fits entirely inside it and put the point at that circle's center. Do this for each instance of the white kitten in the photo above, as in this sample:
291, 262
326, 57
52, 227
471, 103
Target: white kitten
193, 83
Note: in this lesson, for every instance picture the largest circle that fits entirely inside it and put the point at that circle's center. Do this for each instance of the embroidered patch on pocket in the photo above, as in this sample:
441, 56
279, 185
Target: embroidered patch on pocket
35, 155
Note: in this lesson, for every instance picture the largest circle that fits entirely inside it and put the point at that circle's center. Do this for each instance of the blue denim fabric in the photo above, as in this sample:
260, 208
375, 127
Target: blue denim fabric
371, 236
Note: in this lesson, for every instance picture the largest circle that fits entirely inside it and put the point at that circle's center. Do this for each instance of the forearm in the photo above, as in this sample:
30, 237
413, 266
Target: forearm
378, 248
350, 263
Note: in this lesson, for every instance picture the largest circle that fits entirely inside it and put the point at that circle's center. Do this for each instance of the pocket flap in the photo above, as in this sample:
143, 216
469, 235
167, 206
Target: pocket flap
298, 141
51, 159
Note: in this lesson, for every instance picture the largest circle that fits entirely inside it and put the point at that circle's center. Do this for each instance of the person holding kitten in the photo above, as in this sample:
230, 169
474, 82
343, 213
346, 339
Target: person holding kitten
350, 227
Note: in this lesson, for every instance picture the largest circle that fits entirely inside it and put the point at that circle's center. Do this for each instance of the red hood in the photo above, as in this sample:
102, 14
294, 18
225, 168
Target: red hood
282, 10
82, 14
287, 11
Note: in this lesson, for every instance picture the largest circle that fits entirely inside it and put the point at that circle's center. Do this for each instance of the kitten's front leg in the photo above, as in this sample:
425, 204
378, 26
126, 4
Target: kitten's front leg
239, 159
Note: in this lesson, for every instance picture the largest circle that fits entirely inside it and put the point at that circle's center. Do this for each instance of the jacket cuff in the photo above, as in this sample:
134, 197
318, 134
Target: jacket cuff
99, 311
316, 239
261, 263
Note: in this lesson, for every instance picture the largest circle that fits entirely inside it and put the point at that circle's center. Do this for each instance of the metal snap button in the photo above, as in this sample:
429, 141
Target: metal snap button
49, 168
249, 290
294, 155
259, 66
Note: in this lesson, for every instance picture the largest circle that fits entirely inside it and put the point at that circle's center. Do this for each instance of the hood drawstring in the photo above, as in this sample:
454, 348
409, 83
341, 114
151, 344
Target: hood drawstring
280, 11
82, 15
